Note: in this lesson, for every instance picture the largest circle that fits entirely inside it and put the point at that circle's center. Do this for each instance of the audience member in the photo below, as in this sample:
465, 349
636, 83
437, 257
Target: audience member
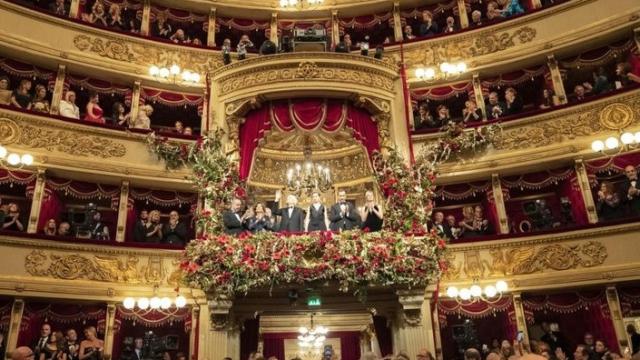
179, 37
291, 217
91, 348
174, 231
635, 339
178, 127
54, 349
12, 221
608, 202
5, 92
260, 219
601, 82
21, 97
438, 223
425, 120
428, 26
580, 91
118, 114
72, 347
371, 214
68, 107
234, 222
513, 102
343, 215
161, 28
581, 353
451, 229
600, 350
94, 111
115, 19
153, 232
40, 103
443, 115
58, 7
226, 51
408, 33
476, 18
493, 12
553, 338
43, 340
625, 75
547, 101
345, 45
243, 45
471, 113
630, 190
317, 218
22, 353
475, 225
141, 228
188, 131
50, 228
98, 15
512, 7
99, 230
450, 26
143, 120
472, 354
495, 108
64, 229
138, 349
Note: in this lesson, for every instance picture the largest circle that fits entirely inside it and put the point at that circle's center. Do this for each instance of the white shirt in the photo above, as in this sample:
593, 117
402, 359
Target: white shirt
290, 211
317, 206
142, 122
69, 109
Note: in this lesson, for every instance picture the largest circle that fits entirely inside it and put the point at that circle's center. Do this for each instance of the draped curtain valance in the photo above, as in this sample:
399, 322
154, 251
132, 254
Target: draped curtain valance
23, 70
515, 77
163, 198
242, 24
436, 10
599, 56
442, 92
17, 177
537, 180
364, 22
156, 318
462, 191
613, 164
176, 15
169, 98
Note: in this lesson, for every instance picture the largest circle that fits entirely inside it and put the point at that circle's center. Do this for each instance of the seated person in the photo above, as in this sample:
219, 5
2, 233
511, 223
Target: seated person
601, 82
64, 229
12, 221
21, 97
511, 7
115, 20
495, 108
98, 229
174, 232
493, 12
196, 42
428, 26
513, 102
50, 228
547, 101
58, 7
161, 28
476, 18
119, 117
234, 222
98, 15
408, 33
608, 203
625, 76
262, 220
471, 113
68, 107
425, 120
143, 120
580, 92
94, 113
179, 37
5, 92
40, 102
450, 26
188, 131
443, 115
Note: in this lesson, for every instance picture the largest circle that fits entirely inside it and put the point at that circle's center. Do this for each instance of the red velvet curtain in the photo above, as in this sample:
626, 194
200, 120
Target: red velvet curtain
50, 209
571, 189
349, 343
305, 115
630, 300
614, 164
491, 211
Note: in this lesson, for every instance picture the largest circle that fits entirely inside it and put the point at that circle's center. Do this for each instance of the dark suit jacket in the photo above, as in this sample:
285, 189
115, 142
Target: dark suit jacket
139, 232
295, 223
36, 349
177, 236
634, 203
232, 225
349, 222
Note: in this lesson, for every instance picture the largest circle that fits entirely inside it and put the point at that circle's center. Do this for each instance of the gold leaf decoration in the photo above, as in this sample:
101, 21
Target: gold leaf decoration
9, 131
70, 142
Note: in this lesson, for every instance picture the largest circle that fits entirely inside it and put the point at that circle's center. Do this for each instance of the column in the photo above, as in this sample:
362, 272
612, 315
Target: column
206, 110
123, 210
273, 36
74, 9
415, 321
36, 202
556, 78
498, 199
521, 320
477, 92
636, 36
58, 89
585, 189
146, 18
109, 330
214, 336
135, 99
436, 333
397, 22
195, 323
211, 28
462, 13
14, 326
616, 316
536, 4
335, 29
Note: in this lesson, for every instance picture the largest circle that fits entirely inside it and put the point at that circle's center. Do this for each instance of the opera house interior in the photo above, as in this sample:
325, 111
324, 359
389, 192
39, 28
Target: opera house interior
319, 179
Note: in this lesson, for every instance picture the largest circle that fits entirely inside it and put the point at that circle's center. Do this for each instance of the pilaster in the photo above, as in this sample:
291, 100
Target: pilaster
536, 4
135, 100
585, 190
109, 330
195, 324
214, 336
123, 209
415, 321
521, 320
556, 79
436, 333
58, 89
14, 326
477, 92
74, 9
462, 14
273, 36
636, 36
146, 18
498, 199
211, 28
397, 22
616, 316
36, 202
335, 29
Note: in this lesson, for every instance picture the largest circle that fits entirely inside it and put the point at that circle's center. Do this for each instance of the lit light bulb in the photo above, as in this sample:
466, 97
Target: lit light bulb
143, 303
154, 70
303, 330
597, 146
420, 73
164, 73
490, 291
165, 303
430, 73
195, 77
465, 294
27, 159
129, 303
154, 302
502, 286
181, 301
13, 159
461, 67
174, 69
627, 138
476, 290
284, 3
637, 136
186, 75
444, 67
452, 291
611, 143
3, 152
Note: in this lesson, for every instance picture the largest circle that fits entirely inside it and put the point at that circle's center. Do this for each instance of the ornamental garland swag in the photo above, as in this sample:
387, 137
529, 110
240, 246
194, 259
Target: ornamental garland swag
403, 254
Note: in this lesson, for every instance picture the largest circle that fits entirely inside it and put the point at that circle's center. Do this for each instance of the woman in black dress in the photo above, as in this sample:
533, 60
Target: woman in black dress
54, 349
316, 219
21, 97
371, 214
12, 221
608, 203
91, 348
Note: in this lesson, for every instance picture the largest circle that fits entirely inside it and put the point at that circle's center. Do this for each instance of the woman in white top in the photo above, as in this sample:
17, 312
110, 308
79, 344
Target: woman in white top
143, 121
68, 107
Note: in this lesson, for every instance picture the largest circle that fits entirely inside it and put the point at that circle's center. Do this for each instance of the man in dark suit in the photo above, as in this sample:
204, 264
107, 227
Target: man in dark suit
343, 216
630, 190
554, 339
140, 229
232, 219
438, 223
291, 217
137, 353
39, 345
175, 231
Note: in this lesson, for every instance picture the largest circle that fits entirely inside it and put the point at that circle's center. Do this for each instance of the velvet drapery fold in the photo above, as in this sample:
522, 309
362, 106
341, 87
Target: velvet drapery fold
306, 115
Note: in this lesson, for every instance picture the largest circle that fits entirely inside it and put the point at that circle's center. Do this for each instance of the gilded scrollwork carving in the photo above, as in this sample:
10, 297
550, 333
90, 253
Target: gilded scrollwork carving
115, 49
384, 130
616, 116
9, 131
97, 268
70, 142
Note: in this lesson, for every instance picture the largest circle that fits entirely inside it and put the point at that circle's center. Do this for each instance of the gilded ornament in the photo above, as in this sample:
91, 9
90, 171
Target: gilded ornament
307, 70
9, 131
70, 142
616, 116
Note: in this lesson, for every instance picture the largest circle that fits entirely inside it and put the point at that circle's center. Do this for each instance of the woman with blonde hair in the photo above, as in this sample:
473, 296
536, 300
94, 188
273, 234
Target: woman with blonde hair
98, 15
91, 348
143, 120
153, 232
68, 107
40, 102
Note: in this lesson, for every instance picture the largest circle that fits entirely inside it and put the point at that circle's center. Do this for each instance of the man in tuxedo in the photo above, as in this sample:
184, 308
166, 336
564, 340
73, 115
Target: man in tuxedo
343, 216
555, 339
45, 332
438, 223
233, 220
140, 229
630, 190
72, 346
175, 231
137, 350
291, 217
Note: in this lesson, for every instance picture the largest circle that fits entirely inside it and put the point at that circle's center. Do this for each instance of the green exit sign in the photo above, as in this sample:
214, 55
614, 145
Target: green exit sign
314, 301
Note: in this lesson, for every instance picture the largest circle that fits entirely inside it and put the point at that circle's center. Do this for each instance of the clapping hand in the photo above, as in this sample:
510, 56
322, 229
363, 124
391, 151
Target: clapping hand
600, 195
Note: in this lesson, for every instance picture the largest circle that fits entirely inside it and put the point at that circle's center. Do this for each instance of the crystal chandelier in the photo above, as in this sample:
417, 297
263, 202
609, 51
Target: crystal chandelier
308, 177
312, 337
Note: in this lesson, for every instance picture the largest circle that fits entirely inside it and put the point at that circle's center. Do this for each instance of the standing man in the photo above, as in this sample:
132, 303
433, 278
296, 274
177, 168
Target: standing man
72, 347
232, 219
343, 216
630, 190
45, 332
141, 228
175, 231
316, 219
291, 217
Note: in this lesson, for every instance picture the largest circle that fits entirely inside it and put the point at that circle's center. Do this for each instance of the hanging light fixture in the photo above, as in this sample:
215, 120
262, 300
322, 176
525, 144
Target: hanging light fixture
446, 71
475, 293
174, 75
300, 4
312, 337
14, 160
308, 176
615, 145
155, 302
